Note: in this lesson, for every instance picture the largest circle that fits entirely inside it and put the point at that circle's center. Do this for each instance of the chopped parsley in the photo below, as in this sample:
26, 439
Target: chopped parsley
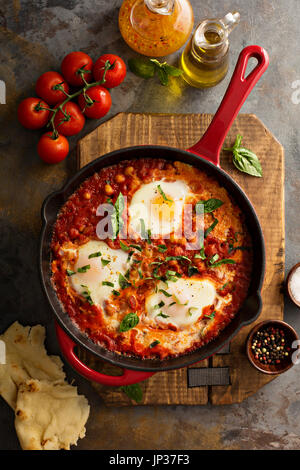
70, 272
165, 293
163, 194
155, 343
160, 314
162, 248
84, 269
209, 229
123, 246
123, 282
105, 262
87, 294
95, 255
160, 305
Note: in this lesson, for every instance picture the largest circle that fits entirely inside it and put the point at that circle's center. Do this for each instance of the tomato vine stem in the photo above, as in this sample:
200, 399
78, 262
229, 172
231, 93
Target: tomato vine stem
83, 90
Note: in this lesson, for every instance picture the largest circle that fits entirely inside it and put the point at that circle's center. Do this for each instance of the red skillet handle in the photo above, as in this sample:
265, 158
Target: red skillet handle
239, 88
67, 346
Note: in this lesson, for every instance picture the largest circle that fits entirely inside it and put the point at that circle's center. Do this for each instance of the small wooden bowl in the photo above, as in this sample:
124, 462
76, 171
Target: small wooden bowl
288, 285
290, 336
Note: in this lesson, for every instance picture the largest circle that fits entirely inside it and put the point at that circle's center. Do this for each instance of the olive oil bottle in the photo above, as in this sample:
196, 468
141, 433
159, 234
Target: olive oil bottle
204, 61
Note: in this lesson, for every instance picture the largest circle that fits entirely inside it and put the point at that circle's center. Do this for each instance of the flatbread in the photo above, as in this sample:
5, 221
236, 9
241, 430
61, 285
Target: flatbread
26, 357
49, 415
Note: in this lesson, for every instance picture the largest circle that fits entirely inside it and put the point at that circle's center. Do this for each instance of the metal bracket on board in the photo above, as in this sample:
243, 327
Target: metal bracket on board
204, 376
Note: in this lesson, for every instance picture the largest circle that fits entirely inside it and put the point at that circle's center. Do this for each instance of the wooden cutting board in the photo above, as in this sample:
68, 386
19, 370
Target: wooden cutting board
227, 377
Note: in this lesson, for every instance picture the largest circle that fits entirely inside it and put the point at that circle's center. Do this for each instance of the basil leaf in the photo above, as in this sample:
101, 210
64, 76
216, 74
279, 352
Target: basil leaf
247, 162
115, 292
163, 76
223, 261
142, 68
95, 255
123, 282
210, 205
244, 159
155, 343
129, 321
171, 70
133, 391
209, 229
84, 269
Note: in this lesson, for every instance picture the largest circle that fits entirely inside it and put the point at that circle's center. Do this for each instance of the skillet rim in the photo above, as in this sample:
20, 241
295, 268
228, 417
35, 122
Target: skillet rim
135, 363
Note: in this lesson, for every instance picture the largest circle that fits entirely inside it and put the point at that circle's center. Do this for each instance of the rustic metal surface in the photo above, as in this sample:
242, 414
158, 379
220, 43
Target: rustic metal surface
34, 36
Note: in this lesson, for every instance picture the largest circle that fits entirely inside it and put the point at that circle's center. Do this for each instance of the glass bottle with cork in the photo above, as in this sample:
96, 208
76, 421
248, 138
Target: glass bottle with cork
205, 59
156, 28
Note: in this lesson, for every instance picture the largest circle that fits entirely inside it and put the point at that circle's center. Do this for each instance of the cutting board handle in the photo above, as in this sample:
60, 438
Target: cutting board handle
239, 88
67, 347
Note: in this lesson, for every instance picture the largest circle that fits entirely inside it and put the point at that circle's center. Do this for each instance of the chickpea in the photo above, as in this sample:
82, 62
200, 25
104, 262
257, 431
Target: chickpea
129, 171
87, 195
120, 178
108, 189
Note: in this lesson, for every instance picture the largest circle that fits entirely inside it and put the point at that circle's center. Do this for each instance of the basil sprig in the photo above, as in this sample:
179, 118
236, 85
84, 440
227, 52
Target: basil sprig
244, 159
133, 391
147, 68
129, 321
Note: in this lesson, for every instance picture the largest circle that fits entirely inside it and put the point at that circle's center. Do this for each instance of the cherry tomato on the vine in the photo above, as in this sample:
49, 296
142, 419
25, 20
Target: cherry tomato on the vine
100, 102
53, 149
72, 64
31, 113
45, 87
115, 75
71, 122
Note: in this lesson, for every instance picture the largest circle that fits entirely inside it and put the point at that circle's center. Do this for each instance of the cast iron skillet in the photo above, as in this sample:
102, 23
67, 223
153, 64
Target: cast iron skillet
203, 155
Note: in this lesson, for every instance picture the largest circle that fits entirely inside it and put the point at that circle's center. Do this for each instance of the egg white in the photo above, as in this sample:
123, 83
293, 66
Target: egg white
161, 216
91, 280
184, 304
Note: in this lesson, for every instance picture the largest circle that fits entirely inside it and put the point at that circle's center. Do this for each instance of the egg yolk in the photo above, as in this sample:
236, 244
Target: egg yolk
163, 209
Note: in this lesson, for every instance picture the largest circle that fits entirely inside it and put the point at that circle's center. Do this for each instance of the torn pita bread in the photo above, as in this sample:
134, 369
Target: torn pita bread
26, 357
49, 415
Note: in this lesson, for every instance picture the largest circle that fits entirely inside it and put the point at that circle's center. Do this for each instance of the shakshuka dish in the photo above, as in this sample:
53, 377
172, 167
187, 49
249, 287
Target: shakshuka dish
151, 258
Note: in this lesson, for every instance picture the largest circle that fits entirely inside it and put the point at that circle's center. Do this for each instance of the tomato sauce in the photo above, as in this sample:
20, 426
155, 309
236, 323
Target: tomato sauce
76, 225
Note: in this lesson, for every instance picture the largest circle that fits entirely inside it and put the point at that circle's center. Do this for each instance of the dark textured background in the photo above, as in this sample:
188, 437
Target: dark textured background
34, 37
